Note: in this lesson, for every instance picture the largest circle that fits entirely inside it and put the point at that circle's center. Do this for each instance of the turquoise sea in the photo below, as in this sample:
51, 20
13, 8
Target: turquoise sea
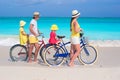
94, 28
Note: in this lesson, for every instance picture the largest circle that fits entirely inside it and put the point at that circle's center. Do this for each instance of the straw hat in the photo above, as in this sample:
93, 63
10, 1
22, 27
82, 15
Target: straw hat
36, 13
22, 23
75, 13
54, 27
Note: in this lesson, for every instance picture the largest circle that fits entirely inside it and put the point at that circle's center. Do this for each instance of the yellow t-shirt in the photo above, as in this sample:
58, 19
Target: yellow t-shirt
73, 33
23, 38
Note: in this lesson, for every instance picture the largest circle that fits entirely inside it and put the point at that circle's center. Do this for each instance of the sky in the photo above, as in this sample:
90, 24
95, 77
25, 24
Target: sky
60, 8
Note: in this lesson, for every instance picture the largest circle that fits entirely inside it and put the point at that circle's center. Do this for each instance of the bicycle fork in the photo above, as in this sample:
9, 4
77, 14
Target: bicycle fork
86, 51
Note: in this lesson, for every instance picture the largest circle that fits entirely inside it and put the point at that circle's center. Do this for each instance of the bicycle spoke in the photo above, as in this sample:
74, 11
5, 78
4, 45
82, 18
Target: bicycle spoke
18, 53
50, 56
88, 55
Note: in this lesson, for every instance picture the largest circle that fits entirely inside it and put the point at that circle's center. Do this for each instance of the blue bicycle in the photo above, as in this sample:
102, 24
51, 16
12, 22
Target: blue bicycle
55, 55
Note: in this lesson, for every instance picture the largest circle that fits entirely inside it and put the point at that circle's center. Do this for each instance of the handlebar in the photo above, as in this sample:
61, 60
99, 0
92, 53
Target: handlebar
81, 33
41, 34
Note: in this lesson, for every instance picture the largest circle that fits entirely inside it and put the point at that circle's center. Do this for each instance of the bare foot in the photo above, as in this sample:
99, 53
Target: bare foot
71, 64
36, 60
29, 61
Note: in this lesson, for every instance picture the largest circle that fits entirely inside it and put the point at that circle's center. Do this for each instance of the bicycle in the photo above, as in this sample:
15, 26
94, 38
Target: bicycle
20, 52
55, 55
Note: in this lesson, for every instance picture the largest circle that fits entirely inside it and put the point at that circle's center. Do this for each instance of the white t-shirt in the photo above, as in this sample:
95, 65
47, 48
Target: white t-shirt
35, 28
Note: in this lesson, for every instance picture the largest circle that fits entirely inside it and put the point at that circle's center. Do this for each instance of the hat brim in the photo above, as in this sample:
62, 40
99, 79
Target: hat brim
23, 24
54, 29
76, 15
36, 15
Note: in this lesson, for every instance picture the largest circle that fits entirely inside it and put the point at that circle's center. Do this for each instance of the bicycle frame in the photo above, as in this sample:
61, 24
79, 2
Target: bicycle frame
63, 46
59, 53
41, 43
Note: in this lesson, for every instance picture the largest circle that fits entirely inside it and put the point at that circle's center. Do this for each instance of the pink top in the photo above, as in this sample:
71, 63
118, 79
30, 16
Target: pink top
53, 39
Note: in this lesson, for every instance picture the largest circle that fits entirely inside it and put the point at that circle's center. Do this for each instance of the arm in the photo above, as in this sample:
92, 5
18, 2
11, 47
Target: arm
23, 33
32, 31
39, 32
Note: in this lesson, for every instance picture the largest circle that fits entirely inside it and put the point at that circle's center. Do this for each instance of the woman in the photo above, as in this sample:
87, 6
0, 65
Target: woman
75, 37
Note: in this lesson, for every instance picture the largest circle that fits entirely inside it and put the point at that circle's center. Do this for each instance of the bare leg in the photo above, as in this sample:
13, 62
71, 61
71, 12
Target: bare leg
37, 46
77, 48
30, 53
71, 52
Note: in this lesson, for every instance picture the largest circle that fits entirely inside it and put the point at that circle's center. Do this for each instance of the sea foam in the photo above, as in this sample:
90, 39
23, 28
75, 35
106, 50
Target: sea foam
8, 41
100, 43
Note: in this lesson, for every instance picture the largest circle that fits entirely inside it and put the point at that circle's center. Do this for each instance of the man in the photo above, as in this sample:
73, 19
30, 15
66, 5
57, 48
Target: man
34, 33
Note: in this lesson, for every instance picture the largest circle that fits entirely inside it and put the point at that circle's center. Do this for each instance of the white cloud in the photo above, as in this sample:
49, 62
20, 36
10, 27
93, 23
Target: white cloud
37, 2
34, 1
27, 2
83, 0
60, 2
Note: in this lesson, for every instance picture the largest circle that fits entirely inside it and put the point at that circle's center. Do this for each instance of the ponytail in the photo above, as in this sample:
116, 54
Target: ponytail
71, 23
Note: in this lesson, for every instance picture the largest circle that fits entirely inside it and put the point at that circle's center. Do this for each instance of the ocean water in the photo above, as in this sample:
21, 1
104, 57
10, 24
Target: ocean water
94, 28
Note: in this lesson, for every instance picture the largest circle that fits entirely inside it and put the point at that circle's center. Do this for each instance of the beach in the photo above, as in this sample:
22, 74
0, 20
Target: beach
99, 32
107, 67
97, 20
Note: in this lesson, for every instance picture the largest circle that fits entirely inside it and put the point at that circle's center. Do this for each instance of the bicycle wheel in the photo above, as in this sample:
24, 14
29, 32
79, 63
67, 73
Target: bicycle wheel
18, 53
88, 55
50, 58
42, 50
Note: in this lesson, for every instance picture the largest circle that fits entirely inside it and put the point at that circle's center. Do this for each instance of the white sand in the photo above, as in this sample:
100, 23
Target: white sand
107, 67
105, 43
42, 73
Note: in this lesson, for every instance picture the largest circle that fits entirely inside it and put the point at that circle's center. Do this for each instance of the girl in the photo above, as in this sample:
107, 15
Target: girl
53, 37
22, 34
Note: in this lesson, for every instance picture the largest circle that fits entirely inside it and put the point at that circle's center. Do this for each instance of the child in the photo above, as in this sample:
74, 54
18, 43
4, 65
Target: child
53, 37
22, 34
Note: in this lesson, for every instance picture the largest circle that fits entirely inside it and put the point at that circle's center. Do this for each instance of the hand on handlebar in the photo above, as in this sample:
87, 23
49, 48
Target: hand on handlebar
40, 34
81, 30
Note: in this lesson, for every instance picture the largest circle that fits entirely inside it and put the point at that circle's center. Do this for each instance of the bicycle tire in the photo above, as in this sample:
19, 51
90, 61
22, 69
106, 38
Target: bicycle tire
20, 55
57, 61
89, 56
42, 49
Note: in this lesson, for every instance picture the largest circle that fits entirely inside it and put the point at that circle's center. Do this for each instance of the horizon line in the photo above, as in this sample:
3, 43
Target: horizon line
54, 17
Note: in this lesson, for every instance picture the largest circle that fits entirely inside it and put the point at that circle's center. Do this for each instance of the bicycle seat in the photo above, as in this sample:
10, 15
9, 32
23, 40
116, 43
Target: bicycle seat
61, 37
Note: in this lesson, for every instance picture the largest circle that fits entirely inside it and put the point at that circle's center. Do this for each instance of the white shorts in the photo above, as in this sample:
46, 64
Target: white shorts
75, 40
